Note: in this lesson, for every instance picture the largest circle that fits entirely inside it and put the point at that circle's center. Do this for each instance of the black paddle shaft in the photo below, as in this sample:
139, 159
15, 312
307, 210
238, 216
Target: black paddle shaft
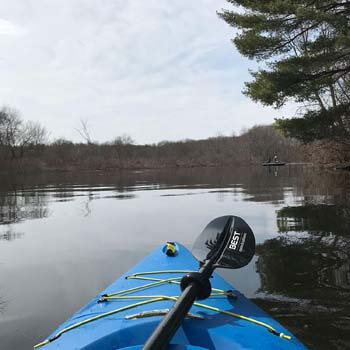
172, 321
193, 289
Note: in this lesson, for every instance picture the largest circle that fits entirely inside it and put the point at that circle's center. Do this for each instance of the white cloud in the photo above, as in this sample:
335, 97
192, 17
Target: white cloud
8, 28
155, 69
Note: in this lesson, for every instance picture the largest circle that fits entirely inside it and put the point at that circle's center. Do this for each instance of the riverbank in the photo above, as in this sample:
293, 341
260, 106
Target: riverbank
251, 147
96, 165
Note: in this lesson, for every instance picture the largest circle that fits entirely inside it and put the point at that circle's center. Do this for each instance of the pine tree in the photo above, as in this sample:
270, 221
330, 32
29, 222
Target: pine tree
304, 48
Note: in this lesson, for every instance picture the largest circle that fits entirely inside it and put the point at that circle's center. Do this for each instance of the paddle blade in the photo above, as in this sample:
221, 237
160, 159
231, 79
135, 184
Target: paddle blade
227, 241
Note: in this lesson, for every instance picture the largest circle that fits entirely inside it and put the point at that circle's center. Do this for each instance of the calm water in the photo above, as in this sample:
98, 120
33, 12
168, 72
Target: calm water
65, 237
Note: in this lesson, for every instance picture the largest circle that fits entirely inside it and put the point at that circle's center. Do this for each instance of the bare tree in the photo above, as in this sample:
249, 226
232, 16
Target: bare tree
84, 132
123, 140
16, 136
10, 129
34, 134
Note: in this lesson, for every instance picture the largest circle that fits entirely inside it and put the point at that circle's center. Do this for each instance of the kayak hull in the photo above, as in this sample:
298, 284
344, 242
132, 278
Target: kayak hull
216, 330
274, 164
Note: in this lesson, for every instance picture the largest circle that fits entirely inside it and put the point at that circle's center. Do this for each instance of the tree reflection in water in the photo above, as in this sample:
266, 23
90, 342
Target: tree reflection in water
10, 235
305, 274
16, 206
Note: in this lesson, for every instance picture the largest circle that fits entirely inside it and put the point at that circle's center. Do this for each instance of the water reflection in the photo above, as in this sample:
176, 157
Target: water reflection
17, 206
21, 200
305, 272
328, 238
303, 267
321, 218
10, 235
2, 305
256, 183
120, 196
87, 225
24, 202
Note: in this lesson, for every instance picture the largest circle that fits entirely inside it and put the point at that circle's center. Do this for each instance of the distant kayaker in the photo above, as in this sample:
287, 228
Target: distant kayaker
275, 159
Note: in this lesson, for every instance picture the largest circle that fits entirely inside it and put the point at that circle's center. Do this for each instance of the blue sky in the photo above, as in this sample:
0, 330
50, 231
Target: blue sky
156, 70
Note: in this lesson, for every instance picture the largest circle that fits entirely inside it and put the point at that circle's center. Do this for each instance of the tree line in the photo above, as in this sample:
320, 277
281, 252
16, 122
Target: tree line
25, 146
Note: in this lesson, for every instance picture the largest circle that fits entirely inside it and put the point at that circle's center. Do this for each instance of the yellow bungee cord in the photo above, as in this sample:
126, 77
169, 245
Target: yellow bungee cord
155, 298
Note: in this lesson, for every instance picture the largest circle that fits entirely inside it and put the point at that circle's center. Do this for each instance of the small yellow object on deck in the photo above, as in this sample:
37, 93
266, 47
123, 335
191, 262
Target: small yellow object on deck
170, 249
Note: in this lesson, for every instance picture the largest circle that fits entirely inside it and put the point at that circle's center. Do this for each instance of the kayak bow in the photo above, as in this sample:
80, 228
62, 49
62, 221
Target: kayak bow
226, 320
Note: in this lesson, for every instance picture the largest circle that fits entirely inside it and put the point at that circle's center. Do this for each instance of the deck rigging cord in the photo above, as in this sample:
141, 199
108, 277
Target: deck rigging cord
120, 295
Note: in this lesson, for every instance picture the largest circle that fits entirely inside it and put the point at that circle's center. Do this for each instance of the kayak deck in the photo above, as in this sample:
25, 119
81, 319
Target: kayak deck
115, 319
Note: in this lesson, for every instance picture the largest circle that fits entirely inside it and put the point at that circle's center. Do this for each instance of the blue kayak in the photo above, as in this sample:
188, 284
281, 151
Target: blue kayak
125, 314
